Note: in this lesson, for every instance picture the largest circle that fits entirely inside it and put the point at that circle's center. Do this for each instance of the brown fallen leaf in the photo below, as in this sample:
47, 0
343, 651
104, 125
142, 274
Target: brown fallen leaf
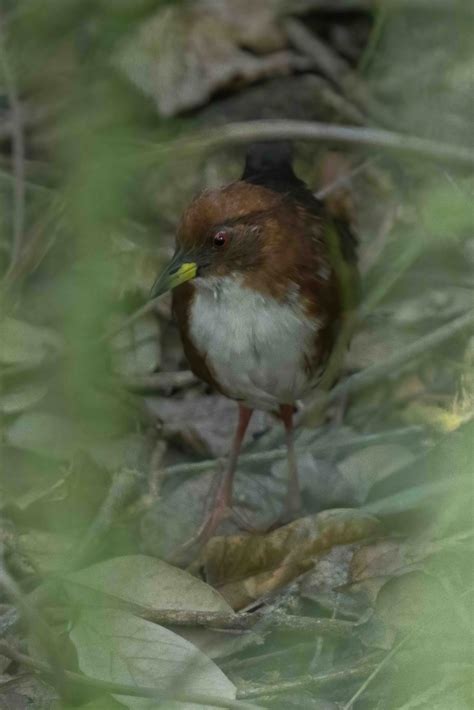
246, 567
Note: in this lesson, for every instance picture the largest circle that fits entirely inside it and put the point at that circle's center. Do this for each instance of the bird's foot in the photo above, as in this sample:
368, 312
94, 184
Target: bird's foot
291, 510
220, 512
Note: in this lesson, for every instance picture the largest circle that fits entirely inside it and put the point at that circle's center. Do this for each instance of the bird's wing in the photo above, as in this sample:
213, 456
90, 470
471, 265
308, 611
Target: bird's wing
270, 164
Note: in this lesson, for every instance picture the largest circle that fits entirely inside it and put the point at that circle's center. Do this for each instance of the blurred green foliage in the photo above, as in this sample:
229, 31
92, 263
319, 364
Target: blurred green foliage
91, 174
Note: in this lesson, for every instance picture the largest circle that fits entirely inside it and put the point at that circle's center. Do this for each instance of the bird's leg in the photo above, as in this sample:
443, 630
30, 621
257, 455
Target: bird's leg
293, 495
222, 504
223, 499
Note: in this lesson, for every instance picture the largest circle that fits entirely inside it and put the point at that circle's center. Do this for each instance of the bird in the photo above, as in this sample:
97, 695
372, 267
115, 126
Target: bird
261, 279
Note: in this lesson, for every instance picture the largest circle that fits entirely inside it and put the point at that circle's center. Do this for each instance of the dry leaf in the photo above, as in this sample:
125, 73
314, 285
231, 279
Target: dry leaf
246, 567
383, 558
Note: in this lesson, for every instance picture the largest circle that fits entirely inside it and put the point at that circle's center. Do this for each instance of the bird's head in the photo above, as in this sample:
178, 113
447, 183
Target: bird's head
223, 232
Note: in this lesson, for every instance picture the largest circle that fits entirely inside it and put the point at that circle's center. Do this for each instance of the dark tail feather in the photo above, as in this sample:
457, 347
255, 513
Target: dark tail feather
270, 163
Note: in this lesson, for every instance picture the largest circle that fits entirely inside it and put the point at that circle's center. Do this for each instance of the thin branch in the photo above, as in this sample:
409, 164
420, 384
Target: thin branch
281, 452
389, 368
370, 253
41, 239
261, 619
332, 6
136, 315
279, 129
344, 180
392, 365
238, 664
135, 691
334, 628
160, 381
337, 70
18, 152
310, 681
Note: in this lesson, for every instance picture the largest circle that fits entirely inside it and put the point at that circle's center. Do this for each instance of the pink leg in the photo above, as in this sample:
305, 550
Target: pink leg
293, 496
224, 493
223, 499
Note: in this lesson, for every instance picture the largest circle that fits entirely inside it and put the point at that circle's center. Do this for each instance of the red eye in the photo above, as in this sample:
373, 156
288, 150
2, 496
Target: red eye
220, 238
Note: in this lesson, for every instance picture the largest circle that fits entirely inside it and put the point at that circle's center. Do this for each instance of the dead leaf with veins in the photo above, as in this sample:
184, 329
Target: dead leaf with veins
244, 568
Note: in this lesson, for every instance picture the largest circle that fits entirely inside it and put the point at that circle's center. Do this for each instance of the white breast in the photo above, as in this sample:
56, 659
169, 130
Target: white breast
255, 345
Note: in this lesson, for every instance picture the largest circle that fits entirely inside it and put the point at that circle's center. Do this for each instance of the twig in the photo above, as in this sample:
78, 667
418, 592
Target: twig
334, 5
276, 129
160, 382
136, 315
18, 152
431, 696
381, 13
370, 256
392, 365
243, 621
155, 469
238, 664
336, 69
37, 247
310, 681
334, 628
328, 62
389, 368
344, 180
431, 6
135, 691
281, 452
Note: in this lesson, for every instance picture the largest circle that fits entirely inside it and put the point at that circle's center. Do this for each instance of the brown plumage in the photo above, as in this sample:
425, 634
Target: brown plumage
261, 277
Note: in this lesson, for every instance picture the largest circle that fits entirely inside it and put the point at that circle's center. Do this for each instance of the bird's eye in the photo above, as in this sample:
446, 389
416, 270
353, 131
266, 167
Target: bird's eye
220, 238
